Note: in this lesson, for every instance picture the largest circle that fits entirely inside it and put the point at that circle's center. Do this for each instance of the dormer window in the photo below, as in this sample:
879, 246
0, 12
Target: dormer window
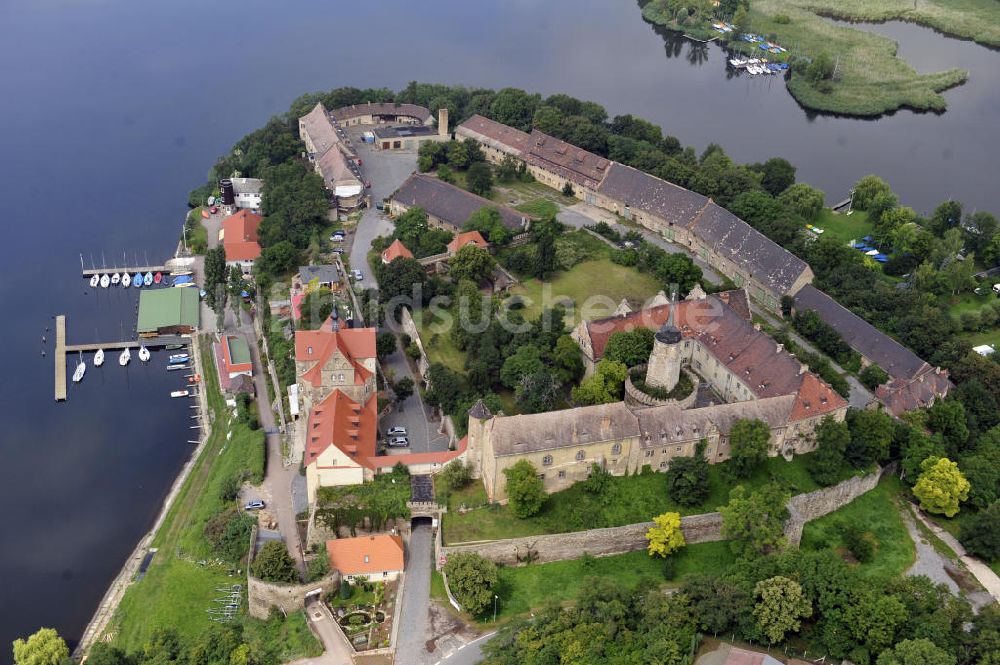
309, 350
366, 558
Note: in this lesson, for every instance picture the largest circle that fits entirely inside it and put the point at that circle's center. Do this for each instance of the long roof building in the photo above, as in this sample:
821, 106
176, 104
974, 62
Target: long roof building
449, 204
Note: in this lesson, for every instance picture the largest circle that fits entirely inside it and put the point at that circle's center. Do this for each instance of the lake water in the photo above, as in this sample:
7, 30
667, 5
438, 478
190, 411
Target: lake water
112, 110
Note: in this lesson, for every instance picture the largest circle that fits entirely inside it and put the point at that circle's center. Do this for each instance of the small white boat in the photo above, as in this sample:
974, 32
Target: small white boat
116, 278
94, 281
81, 369
126, 280
143, 354
148, 279
105, 281
180, 393
99, 358
174, 368
124, 357
179, 358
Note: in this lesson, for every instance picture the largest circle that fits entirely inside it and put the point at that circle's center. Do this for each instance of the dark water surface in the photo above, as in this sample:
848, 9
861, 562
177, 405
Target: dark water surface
110, 111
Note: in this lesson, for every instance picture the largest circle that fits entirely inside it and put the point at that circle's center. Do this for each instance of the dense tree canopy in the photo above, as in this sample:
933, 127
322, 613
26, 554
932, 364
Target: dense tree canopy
525, 489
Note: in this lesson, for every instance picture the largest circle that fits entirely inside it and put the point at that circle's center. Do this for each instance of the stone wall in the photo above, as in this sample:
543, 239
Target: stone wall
638, 399
261, 595
596, 542
807, 507
410, 328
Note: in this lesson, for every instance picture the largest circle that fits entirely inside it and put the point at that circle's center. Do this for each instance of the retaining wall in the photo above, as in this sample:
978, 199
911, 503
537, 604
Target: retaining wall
288, 598
807, 507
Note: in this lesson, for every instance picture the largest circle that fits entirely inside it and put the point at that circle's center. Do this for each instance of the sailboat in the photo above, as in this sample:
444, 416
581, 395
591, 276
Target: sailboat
137, 280
143, 353
105, 281
99, 358
81, 369
148, 279
157, 277
94, 281
126, 280
125, 357
116, 278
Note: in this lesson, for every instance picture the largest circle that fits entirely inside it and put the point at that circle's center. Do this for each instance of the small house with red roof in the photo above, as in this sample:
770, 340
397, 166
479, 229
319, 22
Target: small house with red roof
394, 251
377, 558
240, 240
467, 238
236, 358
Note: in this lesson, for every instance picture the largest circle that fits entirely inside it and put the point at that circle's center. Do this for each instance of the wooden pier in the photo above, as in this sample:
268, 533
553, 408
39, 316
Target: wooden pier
62, 348
89, 272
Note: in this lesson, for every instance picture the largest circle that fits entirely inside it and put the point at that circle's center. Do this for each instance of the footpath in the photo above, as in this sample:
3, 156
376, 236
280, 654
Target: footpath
982, 572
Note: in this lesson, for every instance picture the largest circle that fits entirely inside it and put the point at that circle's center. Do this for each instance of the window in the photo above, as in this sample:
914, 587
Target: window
649, 453
663, 465
678, 449
562, 474
541, 476
547, 460
580, 455
616, 449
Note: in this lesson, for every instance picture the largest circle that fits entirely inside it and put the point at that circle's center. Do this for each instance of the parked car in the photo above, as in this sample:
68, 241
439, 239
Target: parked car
338, 250
358, 276
213, 210
379, 205
256, 504
399, 442
397, 431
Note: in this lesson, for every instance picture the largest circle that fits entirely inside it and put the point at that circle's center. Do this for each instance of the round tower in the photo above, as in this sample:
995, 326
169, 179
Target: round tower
664, 367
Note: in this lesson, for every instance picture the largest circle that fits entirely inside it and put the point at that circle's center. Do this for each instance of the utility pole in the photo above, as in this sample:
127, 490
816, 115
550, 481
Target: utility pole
495, 599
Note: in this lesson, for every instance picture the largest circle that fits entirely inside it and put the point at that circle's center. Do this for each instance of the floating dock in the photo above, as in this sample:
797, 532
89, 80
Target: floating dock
88, 272
62, 348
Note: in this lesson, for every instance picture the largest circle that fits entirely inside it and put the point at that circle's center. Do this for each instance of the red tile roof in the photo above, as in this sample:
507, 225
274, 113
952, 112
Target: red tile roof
367, 554
239, 236
355, 344
467, 238
760, 363
394, 251
340, 421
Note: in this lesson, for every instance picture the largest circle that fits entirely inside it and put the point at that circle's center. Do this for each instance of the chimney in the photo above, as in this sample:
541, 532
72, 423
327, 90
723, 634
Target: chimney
443, 123
802, 368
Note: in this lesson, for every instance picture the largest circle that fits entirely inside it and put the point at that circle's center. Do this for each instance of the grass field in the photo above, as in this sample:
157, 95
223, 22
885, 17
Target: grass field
182, 579
627, 500
877, 512
527, 588
593, 287
437, 342
517, 193
844, 228
539, 208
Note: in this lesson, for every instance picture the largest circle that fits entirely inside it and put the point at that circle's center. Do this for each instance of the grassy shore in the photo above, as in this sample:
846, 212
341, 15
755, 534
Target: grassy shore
181, 581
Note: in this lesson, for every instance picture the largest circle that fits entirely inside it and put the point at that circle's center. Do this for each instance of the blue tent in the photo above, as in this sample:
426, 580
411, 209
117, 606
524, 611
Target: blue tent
881, 258
183, 279
867, 238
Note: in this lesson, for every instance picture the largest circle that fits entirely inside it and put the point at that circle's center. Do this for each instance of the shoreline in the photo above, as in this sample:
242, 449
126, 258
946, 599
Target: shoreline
109, 602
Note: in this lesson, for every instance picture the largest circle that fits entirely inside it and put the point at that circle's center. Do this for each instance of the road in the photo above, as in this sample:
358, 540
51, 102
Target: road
335, 652
412, 413
386, 170
470, 654
414, 629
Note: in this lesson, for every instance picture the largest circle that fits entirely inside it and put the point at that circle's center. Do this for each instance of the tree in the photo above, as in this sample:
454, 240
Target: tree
403, 389
915, 652
473, 581
678, 269
385, 345
780, 607
526, 360
915, 449
947, 417
980, 534
871, 436
445, 387
537, 392
479, 179
867, 189
103, 653
832, 439
982, 470
319, 566
687, 478
777, 175
489, 223
215, 278
514, 107
630, 347
455, 475
399, 278
472, 263
274, 564
873, 376
803, 200
666, 536
941, 486
748, 443
566, 360
820, 69
603, 386
754, 521
525, 490
44, 647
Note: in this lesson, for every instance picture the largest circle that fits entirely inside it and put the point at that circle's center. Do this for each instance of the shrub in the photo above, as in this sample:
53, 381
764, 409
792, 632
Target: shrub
229, 533
472, 580
274, 564
525, 489
782, 19
873, 376
860, 543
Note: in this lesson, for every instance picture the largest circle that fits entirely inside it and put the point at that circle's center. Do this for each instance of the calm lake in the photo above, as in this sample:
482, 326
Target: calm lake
112, 110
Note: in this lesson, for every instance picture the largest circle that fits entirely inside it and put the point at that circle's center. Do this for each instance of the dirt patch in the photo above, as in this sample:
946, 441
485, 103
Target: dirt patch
373, 660
448, 631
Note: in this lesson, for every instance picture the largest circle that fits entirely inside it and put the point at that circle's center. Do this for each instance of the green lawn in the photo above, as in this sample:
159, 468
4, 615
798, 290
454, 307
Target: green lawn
539, 208
437, 341
593, 287
627, 500
526, 588
517, 192
181, 581
844, 227
877, 512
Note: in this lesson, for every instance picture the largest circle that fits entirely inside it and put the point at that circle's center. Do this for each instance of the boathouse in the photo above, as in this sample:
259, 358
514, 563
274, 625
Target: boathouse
171, 311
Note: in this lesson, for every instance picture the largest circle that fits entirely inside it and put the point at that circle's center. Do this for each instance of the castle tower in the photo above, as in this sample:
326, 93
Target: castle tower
664, 368
479, 415
443, 123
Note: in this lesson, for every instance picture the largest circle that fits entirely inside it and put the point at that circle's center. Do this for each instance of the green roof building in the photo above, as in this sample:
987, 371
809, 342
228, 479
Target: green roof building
172, 311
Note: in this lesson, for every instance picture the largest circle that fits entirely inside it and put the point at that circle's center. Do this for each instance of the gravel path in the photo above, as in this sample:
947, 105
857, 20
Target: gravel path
929, 562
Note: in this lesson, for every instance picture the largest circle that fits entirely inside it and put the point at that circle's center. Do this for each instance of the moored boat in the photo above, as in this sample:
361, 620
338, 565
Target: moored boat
173, 347
147, 280
99, 358
81, 369
126, 280
143, 353
179, 358
105, 281
174, 368
125, 357
94, 281
137, 280
180, 393
157, 277
116, 278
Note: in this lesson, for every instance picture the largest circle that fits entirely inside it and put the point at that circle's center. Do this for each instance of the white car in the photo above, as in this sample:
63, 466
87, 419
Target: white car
397, 431
399, 442
357, 275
